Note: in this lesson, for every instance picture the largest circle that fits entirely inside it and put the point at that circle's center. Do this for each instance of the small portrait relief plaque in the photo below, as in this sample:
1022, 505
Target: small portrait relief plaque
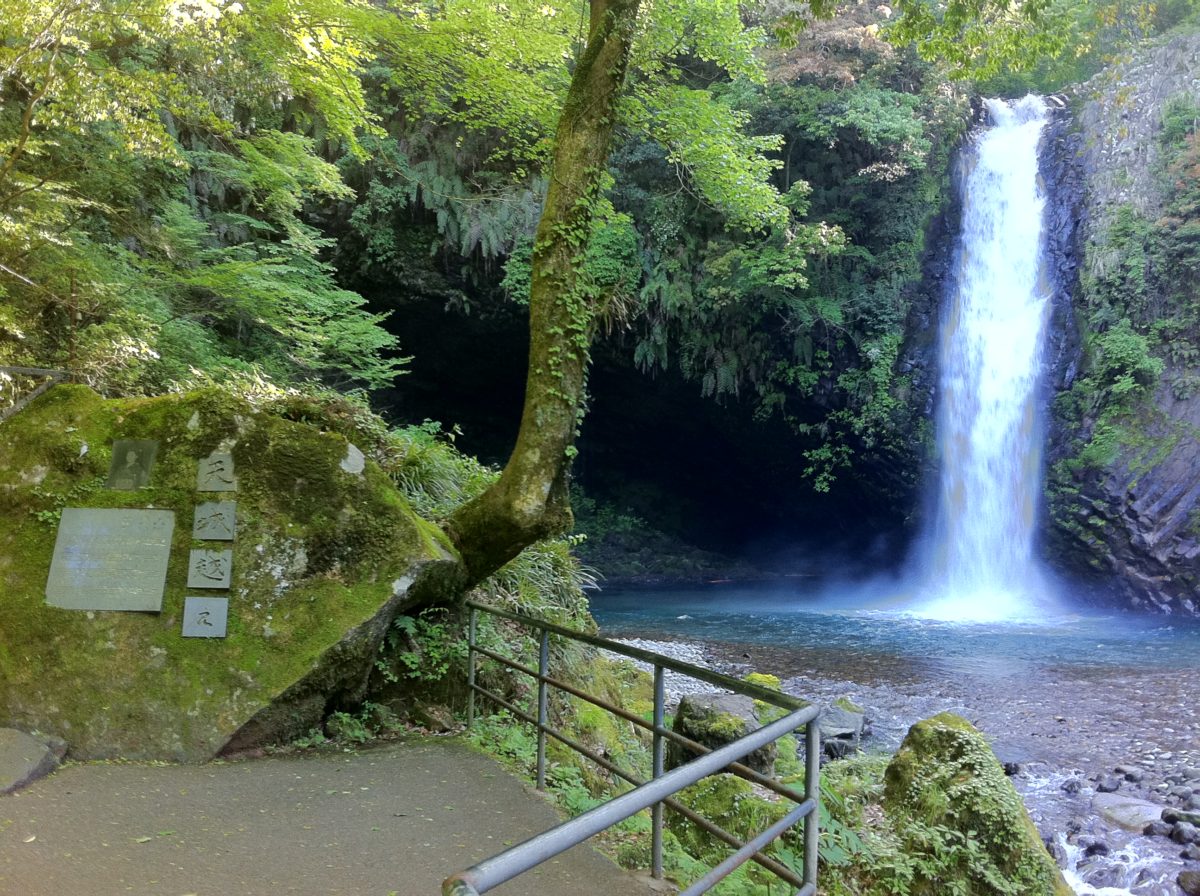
209, 569
215, 521
132, 460
205, 617
110, 559
216, 474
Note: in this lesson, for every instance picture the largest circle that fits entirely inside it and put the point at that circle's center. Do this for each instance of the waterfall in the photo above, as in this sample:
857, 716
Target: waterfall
980, 563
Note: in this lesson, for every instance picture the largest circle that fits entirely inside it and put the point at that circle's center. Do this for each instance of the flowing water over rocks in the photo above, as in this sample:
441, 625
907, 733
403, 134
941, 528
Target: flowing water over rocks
1126, 723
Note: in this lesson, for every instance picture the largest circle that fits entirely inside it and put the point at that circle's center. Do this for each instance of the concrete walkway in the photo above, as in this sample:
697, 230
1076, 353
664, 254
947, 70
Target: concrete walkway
394, 819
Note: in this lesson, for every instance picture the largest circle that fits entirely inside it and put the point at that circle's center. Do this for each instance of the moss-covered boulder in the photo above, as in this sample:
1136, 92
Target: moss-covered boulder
947, 790
714, 720
326, 553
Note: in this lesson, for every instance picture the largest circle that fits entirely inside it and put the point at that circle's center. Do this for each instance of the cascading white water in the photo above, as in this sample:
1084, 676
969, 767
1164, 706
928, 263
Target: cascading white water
981, 565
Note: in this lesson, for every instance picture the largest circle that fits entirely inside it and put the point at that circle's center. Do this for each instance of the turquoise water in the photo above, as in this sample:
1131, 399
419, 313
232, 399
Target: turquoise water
862, 627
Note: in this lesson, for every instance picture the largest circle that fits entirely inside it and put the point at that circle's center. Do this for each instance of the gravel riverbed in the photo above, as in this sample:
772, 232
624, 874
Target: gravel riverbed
1128, 735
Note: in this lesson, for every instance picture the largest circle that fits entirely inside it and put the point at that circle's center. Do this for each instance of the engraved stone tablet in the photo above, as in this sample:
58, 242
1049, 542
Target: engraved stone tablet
209, 569
110, 559
205, 617
216, 474
215, 521
132, 460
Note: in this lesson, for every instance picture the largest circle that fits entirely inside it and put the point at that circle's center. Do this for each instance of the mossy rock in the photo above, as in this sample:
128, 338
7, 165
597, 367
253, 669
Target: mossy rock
731, 803
714, 720
322, 562
946, 776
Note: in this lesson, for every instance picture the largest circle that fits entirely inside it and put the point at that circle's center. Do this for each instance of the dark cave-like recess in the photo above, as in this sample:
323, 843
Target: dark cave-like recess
707, 473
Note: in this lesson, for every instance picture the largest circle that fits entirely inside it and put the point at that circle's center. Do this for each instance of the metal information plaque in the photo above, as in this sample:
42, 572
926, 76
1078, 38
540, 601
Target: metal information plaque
205, 617
215, 521
110, 559
132, 461
209, 569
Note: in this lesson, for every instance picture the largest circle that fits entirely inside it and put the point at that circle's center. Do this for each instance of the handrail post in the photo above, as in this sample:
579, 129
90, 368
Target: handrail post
656, 813
543, 708
471, 667
812, 791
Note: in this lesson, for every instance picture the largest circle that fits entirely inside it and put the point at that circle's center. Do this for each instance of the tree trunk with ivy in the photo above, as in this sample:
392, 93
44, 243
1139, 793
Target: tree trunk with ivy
529, 501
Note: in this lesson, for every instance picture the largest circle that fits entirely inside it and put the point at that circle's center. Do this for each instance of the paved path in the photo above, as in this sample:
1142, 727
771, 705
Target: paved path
393, 819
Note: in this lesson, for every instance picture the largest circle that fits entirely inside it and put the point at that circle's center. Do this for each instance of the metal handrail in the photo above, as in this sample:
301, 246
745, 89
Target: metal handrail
708, 676
657, 792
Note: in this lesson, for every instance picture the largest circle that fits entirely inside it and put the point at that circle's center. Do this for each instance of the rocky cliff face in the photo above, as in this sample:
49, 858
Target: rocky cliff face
1124, 458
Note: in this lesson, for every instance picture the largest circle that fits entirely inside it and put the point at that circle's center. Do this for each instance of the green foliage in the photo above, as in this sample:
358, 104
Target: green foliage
424, 647
962, 824
545, 581
154, 183
348, 728
1123, 365
1017, 47
807, 325
430, 472
55, 502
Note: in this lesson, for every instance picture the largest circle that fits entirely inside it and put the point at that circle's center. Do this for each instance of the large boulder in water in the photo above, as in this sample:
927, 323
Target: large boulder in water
945, 791
326, 553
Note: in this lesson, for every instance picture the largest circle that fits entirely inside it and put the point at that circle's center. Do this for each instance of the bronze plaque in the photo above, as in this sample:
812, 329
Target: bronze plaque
132, 461
110, 559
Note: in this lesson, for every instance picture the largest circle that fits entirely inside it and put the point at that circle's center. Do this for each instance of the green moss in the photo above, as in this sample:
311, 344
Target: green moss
765, 680
734, 805
946, 789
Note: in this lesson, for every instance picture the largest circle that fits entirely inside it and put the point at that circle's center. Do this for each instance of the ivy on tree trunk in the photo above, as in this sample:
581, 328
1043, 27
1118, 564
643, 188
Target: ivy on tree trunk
529, 501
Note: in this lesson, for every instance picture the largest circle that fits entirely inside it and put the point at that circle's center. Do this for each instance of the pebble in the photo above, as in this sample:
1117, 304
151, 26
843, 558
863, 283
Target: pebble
1108, 784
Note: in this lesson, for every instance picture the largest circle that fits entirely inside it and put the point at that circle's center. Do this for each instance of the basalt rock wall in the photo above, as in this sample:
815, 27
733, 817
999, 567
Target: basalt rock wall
1122, 482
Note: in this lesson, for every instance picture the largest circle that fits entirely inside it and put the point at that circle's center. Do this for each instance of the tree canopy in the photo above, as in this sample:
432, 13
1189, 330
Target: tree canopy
204, 189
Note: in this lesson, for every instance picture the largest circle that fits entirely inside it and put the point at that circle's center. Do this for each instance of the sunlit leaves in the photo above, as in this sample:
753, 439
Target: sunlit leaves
146, 196
984, 38
501, 66
728, 167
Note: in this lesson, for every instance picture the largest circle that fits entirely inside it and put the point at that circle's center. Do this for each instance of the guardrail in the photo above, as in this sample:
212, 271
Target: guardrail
51, 377
656, 793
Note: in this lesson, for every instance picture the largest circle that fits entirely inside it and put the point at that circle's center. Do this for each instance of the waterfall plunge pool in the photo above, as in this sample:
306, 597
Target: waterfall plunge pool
1067, 699
858, 629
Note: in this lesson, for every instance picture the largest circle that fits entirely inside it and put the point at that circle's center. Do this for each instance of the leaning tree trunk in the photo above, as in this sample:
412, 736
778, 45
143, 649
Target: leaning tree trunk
529, 500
